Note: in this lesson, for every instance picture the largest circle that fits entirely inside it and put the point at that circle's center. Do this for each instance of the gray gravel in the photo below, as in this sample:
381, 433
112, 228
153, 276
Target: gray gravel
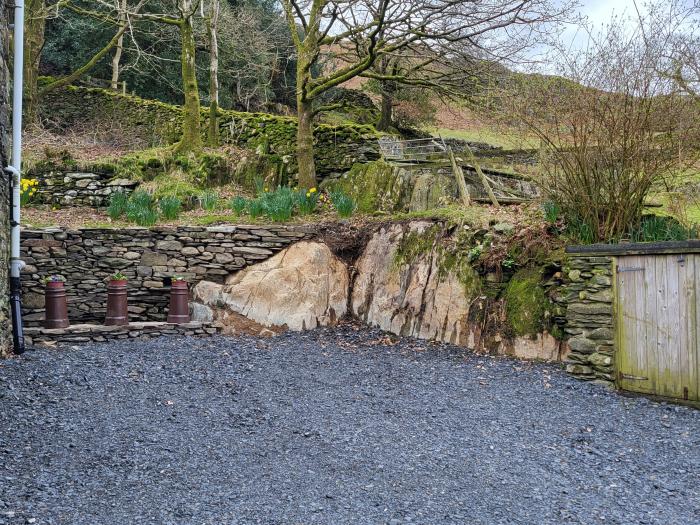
331, 426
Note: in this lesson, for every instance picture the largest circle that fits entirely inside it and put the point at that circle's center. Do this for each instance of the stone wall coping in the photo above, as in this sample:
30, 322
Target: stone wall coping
98, 328
636, 248
223, 228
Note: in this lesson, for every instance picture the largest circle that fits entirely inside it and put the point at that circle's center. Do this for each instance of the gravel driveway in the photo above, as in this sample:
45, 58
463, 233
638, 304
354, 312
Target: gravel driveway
330, 426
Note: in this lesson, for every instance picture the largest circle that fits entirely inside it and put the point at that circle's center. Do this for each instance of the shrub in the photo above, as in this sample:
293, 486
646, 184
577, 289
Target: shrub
238, 204
170, 207
209, 200
306, 201
117, 204
279, 204
342, 203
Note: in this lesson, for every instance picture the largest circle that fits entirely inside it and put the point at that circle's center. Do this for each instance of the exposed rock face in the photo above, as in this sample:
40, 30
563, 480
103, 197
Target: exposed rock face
421, 299
413, 300
302, 287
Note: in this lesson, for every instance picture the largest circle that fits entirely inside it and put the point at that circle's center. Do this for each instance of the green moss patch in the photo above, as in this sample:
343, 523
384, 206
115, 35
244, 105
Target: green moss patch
372, 185
525, 302
158, 124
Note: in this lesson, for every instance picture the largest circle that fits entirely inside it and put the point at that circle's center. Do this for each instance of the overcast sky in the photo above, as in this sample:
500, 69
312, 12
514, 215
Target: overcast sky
599, 13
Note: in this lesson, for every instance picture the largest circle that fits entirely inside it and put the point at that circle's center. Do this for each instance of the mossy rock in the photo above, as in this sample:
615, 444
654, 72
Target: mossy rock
271, 169
526, 303
375, 186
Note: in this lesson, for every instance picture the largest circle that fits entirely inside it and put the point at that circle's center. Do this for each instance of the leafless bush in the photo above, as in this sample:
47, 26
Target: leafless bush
610, 131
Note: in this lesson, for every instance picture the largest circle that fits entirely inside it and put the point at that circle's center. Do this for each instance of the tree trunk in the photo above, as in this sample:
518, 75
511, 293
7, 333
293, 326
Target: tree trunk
386, 118
34, 27
213, 26
116, 59
75, 75
191, 126
305, 145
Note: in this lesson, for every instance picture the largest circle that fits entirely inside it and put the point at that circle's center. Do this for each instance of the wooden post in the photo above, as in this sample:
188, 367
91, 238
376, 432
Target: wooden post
459, 177
123, 87
481, 175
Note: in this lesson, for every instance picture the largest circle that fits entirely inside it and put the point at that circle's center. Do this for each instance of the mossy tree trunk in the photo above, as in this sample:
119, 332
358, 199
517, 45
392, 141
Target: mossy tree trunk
191, 140
305, 145
34, 27
213, 29
386, 118
308, 43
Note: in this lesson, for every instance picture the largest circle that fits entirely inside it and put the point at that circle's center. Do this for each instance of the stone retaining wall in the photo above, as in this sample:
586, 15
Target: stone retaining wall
587, 298
96, 333
149, 257
77, 188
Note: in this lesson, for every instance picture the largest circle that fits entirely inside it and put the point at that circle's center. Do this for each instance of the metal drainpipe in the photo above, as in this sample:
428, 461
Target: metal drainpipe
14, 170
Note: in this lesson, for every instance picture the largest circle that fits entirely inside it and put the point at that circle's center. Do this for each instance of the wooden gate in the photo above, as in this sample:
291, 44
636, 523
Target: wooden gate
657, 319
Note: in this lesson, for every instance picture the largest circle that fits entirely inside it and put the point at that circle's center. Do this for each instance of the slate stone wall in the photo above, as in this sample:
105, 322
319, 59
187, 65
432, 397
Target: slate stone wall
586, 297
5, 330
154, 123
78, 188
148, 257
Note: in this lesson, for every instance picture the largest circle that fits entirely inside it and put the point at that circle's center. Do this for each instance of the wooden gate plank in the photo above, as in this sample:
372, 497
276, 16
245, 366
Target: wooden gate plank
693, 335
632, 304
650, 327
671, 375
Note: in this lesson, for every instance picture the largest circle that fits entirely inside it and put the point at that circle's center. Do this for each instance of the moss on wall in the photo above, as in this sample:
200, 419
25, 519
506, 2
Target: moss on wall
525, 302
374, 186
155, 124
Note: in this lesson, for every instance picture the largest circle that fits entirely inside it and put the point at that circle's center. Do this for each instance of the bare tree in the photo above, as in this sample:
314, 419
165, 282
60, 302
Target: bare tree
671, 30
611, 130
116, 58
120, 19
365, 31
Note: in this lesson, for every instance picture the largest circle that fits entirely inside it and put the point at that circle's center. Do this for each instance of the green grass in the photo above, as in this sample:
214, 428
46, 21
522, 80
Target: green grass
507, 140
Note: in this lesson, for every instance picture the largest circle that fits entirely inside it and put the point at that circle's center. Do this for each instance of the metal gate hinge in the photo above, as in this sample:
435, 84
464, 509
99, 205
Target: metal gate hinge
622, 375
630, 269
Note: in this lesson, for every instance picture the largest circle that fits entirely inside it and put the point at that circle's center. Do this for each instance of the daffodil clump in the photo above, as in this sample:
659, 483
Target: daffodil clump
28, 188
307, 201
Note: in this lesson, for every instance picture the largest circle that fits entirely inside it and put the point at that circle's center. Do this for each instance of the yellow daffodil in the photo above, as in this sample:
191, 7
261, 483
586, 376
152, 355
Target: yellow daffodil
312, 190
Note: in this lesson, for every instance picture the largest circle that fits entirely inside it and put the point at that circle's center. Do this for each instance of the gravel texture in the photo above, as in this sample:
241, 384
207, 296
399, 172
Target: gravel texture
331, 426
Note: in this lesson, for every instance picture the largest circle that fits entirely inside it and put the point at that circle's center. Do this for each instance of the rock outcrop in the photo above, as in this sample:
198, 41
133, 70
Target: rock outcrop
413, 299
300, 288
427, 298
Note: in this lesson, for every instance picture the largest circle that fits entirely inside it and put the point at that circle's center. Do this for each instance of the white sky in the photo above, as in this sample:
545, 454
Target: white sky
599, 13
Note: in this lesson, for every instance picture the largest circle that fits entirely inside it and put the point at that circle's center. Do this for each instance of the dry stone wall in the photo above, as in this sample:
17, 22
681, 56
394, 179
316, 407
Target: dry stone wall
154, 123
78, 188
149, 257
587, 301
